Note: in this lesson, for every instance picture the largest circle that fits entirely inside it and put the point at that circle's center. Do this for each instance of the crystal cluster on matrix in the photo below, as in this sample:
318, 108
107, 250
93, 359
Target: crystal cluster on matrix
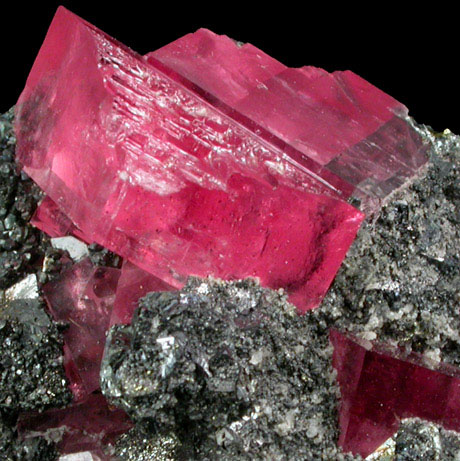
342, 122
205, 157
148, 168
380, 386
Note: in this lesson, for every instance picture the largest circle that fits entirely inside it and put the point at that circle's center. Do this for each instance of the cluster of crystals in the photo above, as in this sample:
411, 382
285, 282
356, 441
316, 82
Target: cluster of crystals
203, 158
196, 183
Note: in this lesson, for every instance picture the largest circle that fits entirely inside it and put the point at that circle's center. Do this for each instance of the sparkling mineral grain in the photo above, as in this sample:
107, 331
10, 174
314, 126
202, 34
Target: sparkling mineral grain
144, 165
380, 386
83, 297
31, 371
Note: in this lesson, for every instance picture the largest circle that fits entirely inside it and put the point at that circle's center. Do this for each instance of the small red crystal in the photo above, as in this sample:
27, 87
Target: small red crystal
134, 283
147, 167
87, 426
382, 385
83, 297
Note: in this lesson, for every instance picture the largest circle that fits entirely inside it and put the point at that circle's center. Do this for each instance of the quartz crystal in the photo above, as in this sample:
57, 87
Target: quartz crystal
87, 426
143, 164
83, 297
380, 386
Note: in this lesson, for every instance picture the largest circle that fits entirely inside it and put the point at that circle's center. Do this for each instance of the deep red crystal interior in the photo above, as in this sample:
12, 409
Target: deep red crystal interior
87, 426
380, 386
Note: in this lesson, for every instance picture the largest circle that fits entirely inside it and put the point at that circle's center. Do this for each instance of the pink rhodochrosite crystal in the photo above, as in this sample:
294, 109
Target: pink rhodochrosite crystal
380, 386
339, 120
50, 219
83, 297
134, 283
87, 426
143, 164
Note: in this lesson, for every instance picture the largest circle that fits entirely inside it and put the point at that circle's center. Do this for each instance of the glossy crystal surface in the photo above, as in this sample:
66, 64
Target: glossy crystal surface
83, 297
146, 166
338, 119
381, 385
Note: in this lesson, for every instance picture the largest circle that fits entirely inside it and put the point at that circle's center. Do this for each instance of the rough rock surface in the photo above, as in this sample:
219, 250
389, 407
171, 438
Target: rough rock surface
34, 449
400, 280
138, 445
20, 244
231, 369
421, 441
31, 371
398, 283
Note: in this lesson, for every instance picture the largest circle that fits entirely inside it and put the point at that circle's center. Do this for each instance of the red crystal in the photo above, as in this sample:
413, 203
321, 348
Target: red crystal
149, 169
134, 283
381, 385
83, 297
50, 219
87, 426
339, 120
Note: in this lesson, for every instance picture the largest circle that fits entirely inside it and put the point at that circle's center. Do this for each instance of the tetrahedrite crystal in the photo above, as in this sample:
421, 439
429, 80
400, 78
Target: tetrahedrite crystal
380, 386
146, 166
339, 120
87, 426
83, 297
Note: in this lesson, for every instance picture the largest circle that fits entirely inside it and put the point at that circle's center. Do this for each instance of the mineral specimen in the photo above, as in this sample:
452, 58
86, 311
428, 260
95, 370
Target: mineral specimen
20, 243
169, 181
83, 297
134, 284
380, 386
230, 369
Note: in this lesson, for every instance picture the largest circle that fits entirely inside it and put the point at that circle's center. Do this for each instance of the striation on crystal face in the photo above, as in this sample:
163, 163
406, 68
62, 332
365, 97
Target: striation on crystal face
90, 425
380, 386
83, 297
339, 120
147, 167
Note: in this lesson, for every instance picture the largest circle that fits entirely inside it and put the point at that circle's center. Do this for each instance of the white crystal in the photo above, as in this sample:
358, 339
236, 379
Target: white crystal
27, 288
76, 248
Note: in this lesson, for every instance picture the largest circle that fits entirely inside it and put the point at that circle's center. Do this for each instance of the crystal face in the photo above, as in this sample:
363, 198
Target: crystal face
133, 284
380, 386
339, 120
87, 426
83, 297
148, 168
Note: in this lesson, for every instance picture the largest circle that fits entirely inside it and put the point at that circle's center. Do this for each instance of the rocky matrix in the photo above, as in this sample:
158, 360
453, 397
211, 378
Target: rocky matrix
432, 194
230, 369
400, 280
31, 371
